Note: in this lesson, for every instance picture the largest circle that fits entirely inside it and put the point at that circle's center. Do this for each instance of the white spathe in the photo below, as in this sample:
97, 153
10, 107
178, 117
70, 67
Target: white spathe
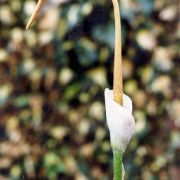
120, 121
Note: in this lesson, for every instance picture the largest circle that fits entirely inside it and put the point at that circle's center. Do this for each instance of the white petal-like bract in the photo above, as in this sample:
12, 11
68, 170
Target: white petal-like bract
120, 121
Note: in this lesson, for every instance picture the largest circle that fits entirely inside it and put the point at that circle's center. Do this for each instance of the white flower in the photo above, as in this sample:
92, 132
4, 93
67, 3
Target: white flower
120, 121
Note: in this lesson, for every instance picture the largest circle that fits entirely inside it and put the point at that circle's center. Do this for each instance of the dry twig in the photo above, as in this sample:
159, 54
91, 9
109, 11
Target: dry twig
35, 13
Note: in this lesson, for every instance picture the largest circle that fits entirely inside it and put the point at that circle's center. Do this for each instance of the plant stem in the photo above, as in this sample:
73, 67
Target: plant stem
117, 164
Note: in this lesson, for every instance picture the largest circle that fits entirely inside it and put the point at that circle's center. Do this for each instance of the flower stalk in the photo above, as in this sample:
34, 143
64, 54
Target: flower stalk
117, 164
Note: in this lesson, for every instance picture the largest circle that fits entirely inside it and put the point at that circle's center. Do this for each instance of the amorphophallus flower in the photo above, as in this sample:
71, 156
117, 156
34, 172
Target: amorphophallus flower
119, 117
118, 106
121, 125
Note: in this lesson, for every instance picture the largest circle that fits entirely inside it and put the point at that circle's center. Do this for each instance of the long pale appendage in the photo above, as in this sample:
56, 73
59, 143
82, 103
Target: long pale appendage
35, 13
117, 84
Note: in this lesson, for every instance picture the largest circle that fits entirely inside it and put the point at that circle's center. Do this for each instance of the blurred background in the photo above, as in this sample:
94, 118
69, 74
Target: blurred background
52, 81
